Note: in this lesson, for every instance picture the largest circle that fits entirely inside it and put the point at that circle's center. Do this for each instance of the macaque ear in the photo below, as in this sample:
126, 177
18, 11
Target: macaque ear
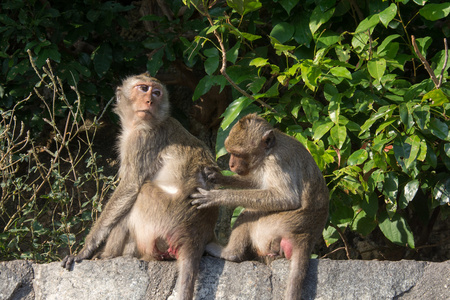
268, 139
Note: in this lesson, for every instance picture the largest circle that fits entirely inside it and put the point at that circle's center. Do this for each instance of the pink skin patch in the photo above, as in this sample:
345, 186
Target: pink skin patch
169, 254
286, 247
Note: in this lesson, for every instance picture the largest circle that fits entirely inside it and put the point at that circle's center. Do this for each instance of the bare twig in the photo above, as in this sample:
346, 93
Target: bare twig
445, 61
335, 250
341, 234
424, 62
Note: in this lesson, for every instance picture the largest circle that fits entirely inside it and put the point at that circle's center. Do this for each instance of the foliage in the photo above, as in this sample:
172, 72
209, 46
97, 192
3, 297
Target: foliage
45, 203
343, 78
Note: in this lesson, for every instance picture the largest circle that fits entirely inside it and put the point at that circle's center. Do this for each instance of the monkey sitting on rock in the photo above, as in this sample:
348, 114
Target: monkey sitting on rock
149, 215
284, 195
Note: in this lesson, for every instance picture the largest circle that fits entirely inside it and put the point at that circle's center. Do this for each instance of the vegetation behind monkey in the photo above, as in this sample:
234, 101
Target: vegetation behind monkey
149, 215
284, 195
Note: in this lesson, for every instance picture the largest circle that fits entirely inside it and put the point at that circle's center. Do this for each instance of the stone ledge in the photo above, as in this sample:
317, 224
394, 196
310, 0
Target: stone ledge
127, 278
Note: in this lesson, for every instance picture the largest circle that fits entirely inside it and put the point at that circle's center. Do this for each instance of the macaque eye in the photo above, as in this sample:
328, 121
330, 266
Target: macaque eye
156, 92
143, 88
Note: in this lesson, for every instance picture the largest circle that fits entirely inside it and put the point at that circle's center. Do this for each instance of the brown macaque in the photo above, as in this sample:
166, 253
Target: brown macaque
284, 195
149, 215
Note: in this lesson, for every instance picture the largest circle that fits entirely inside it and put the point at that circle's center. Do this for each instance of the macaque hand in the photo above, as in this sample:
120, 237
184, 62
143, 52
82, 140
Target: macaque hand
68, 261
204, 198
213, 175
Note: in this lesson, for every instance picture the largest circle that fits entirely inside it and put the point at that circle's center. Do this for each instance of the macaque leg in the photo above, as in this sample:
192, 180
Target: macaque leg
116, 241
188, 261
298, 269
239, 244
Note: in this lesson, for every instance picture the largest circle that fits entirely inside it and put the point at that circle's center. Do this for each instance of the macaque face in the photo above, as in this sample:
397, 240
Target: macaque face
142, 99
147, 98
239, 164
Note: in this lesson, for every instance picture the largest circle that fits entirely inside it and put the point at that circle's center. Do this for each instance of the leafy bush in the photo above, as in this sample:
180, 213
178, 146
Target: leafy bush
343, 78
50, 193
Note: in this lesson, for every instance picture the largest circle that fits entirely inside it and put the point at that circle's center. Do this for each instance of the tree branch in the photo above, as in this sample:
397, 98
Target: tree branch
223, 69
445, 61
424, 62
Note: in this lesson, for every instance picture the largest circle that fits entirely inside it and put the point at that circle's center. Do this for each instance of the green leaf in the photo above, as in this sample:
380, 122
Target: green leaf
283, 32
256, 85
222, 134
338, 134
318, 17
409, 191
341, 72
388, 14
211, 64
102, 59
406, 116
376, 68
203, 86
259, 62
390, 190
358, 157
436, 97
422, 116
441, 191
233, 111
288, 5
370, 201
330, 235
382, 112
363, 224
311, 108
233, 53
381, 50
396, 230
439, 129
321, 130
415, 143
310, 74
435, 12
302, 35
368, 23
243, 7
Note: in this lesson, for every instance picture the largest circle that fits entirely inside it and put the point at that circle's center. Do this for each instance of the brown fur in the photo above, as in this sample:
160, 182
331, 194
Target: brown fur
283, 191
149, 215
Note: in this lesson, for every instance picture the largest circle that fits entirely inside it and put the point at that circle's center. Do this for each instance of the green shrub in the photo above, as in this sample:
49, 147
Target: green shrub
344, 79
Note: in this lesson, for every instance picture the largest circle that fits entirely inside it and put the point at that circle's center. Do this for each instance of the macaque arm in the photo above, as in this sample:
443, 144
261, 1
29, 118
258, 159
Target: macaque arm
213, 175
264, 200
117, 207
234, 181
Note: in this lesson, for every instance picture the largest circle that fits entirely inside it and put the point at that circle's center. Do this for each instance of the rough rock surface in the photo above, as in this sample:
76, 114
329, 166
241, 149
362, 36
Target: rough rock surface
127, 278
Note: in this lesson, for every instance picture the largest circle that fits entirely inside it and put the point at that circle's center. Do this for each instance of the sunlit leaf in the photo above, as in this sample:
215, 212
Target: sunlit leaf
233, 111
441, 191
341, 72
409, 191
318, 17
396, 229
388, 14
358, 157
376, 68
243, 7
330, 235
339, 134
321, 130
436, 97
